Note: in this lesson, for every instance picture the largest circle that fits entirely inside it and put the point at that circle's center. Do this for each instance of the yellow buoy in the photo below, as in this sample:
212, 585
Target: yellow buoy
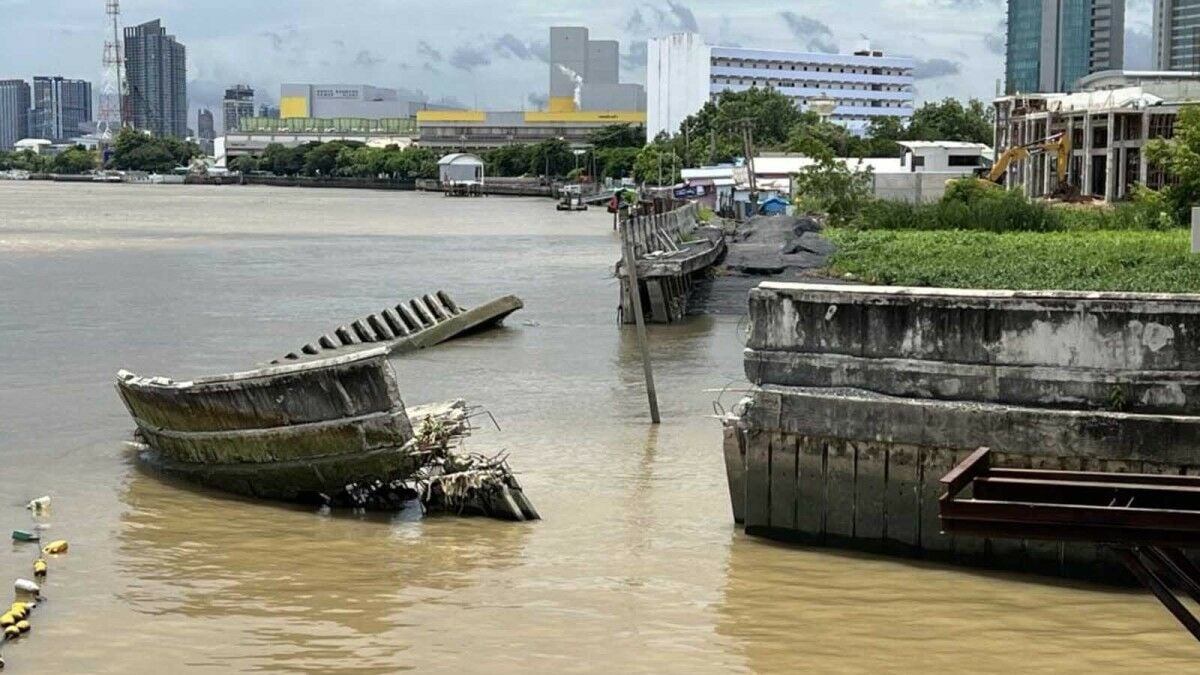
11, 632
55, 547
39, 568
23, 608
7, 619
18, 613
23, 626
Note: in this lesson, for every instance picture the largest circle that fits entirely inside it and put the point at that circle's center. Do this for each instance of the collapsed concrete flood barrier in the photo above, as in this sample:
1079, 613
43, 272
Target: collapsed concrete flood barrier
670, 248
419, 323
864, 397
330, 431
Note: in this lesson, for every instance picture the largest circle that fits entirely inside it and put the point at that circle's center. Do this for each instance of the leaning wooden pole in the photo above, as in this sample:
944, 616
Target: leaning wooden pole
629, 260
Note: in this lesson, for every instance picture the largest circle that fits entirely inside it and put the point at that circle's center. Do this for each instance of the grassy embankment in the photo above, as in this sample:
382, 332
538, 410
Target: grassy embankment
1001, 240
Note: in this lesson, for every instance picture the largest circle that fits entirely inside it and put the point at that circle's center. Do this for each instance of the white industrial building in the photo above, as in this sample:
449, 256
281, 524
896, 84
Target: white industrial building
683, 73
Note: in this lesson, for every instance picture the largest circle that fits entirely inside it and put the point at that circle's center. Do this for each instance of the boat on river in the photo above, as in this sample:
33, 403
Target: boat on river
328, 430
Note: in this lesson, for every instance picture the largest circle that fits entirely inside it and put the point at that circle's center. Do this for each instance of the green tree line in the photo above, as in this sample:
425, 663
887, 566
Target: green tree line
345, 159
73, 160
715, 133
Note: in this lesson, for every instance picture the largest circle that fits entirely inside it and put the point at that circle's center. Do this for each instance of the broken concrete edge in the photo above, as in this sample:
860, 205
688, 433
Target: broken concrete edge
428, 320
334, 361
489, 314
822, 292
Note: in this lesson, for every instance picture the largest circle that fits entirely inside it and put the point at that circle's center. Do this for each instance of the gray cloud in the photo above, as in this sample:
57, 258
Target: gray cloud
427, 51
636, 56
934, 68
1139, 48
636, 23
684, 16
997, 40
469, 58
815, 35
510, 46
367, 59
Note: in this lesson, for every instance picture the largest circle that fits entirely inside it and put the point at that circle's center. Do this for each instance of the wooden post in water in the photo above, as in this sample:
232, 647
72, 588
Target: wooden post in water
635, 294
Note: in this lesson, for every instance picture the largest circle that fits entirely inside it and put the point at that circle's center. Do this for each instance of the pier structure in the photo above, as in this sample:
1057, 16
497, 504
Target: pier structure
864, 397
670, 248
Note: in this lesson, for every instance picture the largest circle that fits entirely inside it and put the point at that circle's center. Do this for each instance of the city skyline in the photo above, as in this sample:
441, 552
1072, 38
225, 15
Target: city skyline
500, 64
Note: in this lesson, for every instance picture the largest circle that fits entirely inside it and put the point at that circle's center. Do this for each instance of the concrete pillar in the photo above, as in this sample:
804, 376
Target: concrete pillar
1070, 174
361, 330
1086, 180
1122, 161
395, 322
1143, 168
1110, 162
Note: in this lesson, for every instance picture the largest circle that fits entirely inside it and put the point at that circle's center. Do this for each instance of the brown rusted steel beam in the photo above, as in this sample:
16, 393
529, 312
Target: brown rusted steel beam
1132, 559
966, 471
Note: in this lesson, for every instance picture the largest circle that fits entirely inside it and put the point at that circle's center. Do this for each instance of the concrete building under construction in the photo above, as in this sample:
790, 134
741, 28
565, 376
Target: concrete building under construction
1107, 126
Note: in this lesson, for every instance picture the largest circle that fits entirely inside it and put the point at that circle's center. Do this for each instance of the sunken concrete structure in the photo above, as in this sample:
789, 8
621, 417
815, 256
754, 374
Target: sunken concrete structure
865, 396
671, 249
419, 323
287, 432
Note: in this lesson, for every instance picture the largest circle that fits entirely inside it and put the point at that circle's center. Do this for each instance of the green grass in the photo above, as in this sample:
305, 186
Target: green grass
1095, 260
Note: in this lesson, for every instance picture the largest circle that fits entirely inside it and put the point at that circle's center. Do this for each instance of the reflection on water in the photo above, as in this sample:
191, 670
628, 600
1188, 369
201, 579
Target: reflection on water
310, 588
855, 612
636, 567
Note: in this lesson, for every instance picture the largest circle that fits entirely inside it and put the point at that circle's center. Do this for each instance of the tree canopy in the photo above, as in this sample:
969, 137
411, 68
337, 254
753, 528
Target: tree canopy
137, 151
348, 159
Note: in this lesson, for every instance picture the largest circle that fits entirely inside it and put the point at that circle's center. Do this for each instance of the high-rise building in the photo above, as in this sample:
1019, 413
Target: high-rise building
1177, 35
205, 130
683, 73
268, 111
1053, 43
239, 103
584, 74
14, 112
60, 107
156, 76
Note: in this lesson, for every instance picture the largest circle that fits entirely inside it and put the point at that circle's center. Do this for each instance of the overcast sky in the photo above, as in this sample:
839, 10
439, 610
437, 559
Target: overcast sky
492, 53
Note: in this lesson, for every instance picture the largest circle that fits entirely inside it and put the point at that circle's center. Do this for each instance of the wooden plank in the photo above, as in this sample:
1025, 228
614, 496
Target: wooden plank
870, 492
810, 485
935, 463
783, 482
839, 488
758, 472
902, 497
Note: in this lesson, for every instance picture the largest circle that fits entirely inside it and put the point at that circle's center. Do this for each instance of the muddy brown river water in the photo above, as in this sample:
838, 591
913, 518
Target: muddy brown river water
637, 566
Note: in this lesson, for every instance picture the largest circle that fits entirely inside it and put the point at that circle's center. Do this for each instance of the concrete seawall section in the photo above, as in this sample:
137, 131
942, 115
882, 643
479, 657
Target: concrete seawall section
865, 396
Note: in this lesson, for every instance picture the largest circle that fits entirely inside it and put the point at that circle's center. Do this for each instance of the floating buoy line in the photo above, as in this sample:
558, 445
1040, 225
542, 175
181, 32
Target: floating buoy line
16, 622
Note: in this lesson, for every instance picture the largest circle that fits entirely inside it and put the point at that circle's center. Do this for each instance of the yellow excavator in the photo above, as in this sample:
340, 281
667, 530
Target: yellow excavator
1060, 144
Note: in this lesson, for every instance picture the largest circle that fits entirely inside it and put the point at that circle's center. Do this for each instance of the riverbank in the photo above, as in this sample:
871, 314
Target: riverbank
646, 572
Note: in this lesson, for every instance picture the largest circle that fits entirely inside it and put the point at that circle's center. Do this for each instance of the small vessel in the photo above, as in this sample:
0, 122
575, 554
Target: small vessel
328, 430
571, 199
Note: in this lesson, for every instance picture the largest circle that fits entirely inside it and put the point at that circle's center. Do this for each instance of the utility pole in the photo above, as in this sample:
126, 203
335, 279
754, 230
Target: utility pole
629, 259
748, 148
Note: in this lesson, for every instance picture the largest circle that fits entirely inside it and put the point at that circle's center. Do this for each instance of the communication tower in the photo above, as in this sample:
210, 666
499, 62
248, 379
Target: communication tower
112, 93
